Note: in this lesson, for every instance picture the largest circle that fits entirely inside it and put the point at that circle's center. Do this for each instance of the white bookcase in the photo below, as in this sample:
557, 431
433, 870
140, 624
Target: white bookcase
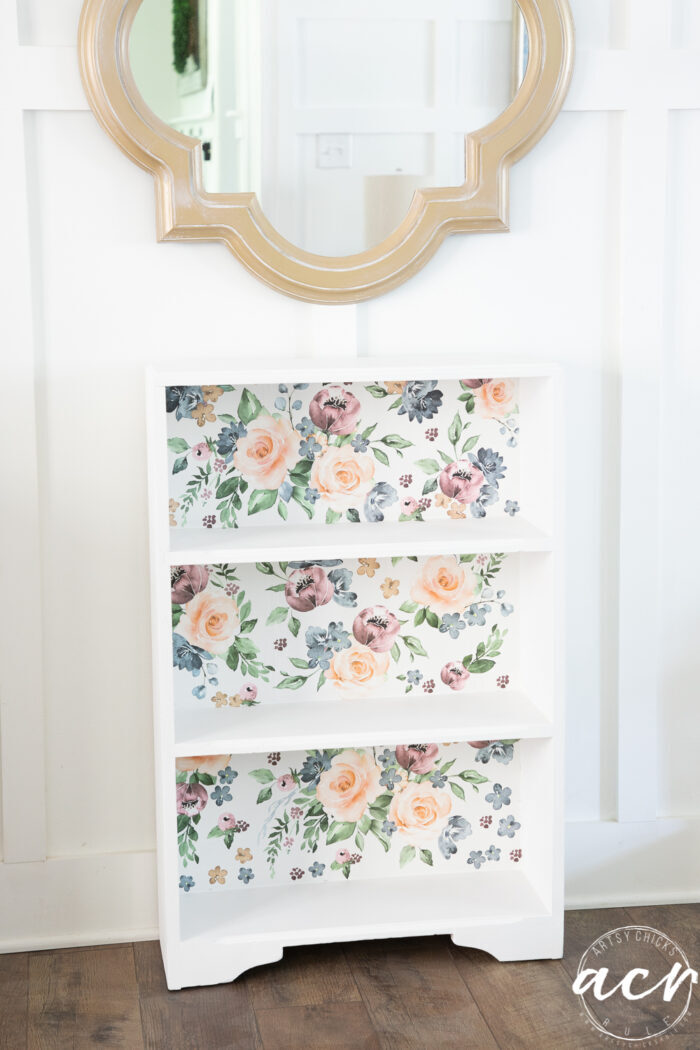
341, 565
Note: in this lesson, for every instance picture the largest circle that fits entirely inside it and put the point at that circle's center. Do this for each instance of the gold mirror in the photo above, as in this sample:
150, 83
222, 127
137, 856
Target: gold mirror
332, 145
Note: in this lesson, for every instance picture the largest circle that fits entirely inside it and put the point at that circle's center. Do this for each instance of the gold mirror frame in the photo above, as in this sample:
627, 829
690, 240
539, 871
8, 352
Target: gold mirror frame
184, 211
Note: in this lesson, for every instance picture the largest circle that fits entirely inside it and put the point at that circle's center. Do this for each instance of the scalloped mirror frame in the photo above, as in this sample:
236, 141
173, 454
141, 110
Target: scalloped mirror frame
185, 211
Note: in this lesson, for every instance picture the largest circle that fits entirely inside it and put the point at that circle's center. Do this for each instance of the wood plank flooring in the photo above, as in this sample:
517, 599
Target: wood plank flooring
416, 994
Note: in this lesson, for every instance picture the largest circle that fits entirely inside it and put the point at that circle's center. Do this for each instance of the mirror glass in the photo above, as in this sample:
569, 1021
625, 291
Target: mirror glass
333, 112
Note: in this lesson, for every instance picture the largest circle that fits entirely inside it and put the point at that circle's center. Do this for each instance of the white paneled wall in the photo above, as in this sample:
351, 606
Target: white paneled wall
600, 273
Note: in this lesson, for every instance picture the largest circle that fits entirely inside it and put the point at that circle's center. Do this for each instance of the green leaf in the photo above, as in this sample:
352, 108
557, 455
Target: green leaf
408, 606
447, 460
430, 466
454, 432
332, 516
430, 486
432, 618
298, 662
470, 776
294, 625
396, 441
261, 499
407, 855
376, 829
179, 464
263, 776
232, 658
266, 568
246, 648
414, 645
282, 510
277, 615
419, 617
360, 840
292, 682
177, 613
377, 391
381, 456
227, 488
427, 857
264, 796
247, 626
178, 445
216, 833
470, 443
365, 824
457, 790
299, 497
204, 778
481, 666
249, 406
339, 831
352, 514
395, 652
182, 821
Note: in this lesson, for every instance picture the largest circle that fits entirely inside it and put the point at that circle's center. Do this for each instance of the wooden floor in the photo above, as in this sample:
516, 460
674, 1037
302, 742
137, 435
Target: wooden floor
420, 994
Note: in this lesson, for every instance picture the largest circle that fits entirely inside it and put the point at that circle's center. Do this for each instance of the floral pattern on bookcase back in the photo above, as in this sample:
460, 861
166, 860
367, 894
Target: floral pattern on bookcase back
348, 629
414, 450
353, 813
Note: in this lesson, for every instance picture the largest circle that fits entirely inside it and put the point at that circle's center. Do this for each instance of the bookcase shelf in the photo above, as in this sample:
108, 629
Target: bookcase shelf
340, 565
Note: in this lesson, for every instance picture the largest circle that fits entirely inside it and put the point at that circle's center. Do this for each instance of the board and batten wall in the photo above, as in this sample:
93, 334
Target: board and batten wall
599, 273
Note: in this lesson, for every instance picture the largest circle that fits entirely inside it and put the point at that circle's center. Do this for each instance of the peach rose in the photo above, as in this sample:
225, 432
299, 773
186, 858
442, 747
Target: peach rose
358, 670
268, 450
342, 476
444, 584
210, 621
420, 811
350, 785
203, 763
495, 398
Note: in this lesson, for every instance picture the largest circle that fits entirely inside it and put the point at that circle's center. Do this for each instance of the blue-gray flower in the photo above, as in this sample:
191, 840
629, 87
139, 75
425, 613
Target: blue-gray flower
285, 491
457, 828
188, 657
476, 615
321, 644
314, 764
360, 443
280, 404
438, 779
245, 875
489, 463
499, 797
306, 427
387, 757
508, 826
338, 637
309, 448
228, 439
493, 853
506, 608
390, 778
381, 496
497, 750
420, 399
186, 883
317, 869
228, 775
182, 399
477, 858
512, 507
200, 691
311, 495
220, 795
414, 677
452, 623
341, 580
389, 827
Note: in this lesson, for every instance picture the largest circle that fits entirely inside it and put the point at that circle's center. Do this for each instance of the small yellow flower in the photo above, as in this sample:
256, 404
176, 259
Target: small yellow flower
395, 388
368, 567
221, 699
441, 500
172, 507
217, 874
203, 413
211, 393
242, 855
389, 587
235, 701
456, 511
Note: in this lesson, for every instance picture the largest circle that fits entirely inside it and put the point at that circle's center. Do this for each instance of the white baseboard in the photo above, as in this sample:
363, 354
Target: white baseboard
110, 898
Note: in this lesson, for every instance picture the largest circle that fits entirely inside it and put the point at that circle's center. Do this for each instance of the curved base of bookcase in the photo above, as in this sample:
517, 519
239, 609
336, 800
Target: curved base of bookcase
526, 939
188, 966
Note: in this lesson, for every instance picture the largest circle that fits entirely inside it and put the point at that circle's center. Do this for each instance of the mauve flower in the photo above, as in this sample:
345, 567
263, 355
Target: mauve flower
201, 452
286, 782
417, 758
376, 628
461, 481
186, 581
478, 744
342, 856
226, 822
474, 384
335, 410
191, 798
409, 505
455, 675
249, 691
308, 588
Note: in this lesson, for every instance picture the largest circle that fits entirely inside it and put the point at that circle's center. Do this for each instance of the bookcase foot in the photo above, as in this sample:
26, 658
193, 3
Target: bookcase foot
187, 966
527, 939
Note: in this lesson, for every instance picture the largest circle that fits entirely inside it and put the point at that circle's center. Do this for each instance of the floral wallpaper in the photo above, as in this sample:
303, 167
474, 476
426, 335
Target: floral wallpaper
342, 629
385, 451
333, 815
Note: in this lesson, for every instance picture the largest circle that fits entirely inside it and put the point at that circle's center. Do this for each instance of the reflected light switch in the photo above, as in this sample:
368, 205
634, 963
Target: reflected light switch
334, 151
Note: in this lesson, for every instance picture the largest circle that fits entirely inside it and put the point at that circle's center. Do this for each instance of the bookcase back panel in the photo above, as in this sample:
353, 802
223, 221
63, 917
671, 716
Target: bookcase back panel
344, 630
409, 450
250, 821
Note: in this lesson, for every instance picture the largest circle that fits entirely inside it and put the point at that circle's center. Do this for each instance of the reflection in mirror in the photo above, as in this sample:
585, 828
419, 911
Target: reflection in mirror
332, 111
